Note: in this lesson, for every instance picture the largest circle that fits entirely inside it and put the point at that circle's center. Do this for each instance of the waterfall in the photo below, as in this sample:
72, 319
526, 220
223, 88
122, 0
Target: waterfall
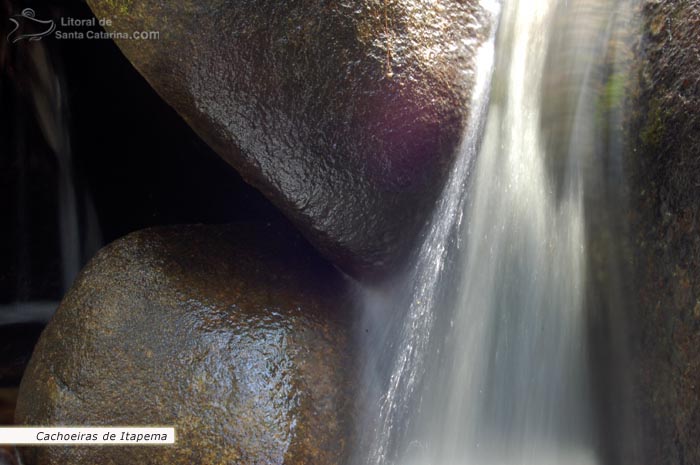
50, 107
42, 129
478, 354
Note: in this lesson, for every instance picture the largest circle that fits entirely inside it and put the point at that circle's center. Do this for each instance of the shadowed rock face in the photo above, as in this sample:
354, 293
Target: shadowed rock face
346, 115
231, 334
665, 219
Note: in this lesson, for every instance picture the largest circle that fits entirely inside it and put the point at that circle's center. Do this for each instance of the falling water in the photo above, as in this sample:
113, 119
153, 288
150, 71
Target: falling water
479, 354
49, 104
40, 73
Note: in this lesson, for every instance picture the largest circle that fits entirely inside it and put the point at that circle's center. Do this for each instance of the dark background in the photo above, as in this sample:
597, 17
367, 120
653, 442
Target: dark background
129, 158
81, 131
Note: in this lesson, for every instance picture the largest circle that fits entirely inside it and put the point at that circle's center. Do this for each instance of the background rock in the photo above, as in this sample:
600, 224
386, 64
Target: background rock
7, 456
346, 115
231, 334
664, 166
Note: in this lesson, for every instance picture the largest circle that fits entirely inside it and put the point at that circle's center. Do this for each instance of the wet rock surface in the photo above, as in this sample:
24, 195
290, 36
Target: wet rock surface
665, 219
236, 335
346, 115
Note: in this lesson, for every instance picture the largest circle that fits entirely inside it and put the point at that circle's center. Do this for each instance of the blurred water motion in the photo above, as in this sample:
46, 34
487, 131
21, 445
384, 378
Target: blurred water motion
480, 354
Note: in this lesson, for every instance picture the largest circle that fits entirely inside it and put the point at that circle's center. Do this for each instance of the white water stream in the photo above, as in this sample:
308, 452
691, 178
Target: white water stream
479, 354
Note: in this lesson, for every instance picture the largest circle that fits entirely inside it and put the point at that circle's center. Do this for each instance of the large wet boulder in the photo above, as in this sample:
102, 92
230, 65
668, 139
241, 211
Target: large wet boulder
235, 335
664, 165
347, 115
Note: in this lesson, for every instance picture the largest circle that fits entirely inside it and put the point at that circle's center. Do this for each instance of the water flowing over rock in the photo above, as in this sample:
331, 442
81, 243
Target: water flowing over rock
235, 335
347, 115
484, 353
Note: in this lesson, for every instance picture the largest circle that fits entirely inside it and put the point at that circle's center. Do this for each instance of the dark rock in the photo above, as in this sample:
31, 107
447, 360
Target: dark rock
8, 400
347, 115
665, 221
7, 456
235, 335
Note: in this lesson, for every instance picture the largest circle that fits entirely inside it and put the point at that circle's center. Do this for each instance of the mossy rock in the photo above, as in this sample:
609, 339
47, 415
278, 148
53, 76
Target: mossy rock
664, 169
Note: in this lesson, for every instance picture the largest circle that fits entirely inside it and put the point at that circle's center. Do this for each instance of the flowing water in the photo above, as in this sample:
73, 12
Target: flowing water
479, 354
50, 106
44, 102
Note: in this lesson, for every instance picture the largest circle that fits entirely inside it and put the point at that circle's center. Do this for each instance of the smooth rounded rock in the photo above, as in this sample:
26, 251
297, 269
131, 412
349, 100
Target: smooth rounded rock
347, 115
236, 335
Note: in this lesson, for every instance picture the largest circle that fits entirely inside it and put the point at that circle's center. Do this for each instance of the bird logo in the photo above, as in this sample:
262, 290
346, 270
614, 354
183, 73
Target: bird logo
31, 28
